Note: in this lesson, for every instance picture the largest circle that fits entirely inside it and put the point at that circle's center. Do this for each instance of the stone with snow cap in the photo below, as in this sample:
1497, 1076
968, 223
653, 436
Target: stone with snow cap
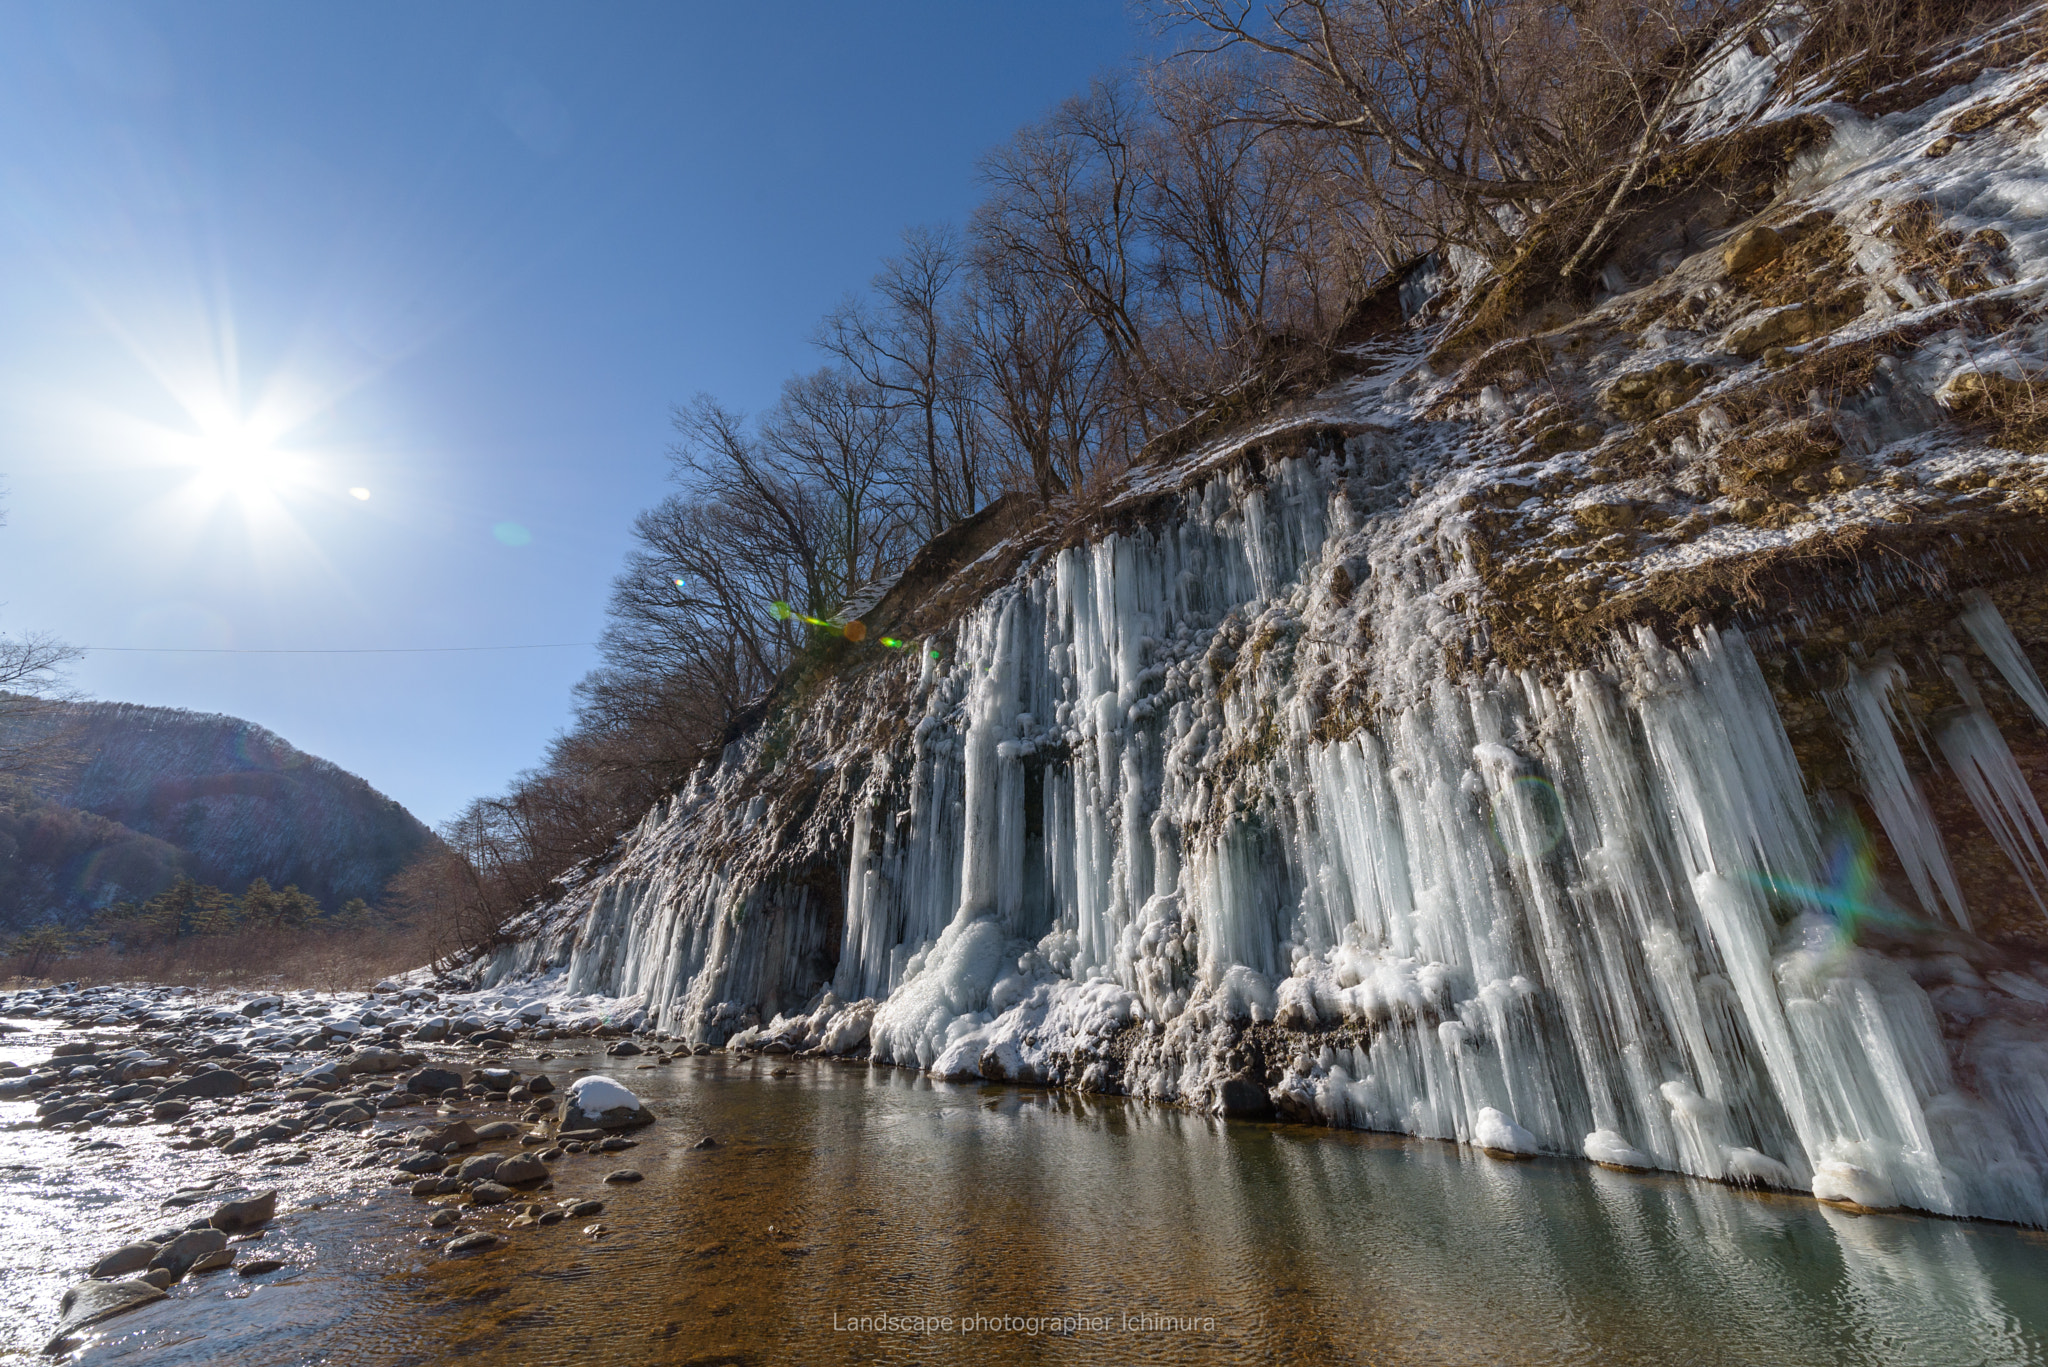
598, 1101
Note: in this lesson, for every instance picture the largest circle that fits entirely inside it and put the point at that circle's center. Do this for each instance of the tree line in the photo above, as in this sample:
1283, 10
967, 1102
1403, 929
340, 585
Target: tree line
1183, 237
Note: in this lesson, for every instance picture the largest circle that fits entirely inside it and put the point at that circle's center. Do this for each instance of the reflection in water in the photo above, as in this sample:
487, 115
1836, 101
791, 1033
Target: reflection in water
842, 1192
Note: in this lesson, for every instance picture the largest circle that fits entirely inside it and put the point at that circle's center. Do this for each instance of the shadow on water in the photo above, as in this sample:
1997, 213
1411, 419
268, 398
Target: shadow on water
841, 1193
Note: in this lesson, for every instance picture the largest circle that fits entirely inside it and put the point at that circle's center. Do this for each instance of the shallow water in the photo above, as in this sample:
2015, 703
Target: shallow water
842, 1192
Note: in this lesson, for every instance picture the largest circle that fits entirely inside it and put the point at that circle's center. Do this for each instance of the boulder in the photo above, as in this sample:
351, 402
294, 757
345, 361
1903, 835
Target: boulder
479, 1167
600, 1102
177, 1256
520, 1170
455, 1135
1242, 1097
431, 1081
1758, 247
234, 1217
124, 1260
88, 1303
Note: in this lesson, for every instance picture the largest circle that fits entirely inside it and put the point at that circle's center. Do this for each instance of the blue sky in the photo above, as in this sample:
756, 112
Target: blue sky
462, 257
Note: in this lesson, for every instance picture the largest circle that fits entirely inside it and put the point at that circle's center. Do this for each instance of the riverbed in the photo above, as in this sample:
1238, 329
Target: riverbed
852, 1214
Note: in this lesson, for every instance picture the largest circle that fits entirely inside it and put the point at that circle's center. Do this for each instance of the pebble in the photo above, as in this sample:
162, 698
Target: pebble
579, 1209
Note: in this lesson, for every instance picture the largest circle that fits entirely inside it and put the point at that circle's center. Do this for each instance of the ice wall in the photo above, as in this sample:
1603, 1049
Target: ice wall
1127, 838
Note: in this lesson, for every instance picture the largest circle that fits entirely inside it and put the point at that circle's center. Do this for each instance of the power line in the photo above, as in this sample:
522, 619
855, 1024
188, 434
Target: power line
371, 650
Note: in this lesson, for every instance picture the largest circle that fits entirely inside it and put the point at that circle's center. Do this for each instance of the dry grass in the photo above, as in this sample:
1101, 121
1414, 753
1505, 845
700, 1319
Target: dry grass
323, 960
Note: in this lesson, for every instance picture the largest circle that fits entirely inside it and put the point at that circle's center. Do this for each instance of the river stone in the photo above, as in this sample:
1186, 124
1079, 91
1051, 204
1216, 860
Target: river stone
479, 1167
423, 1163
1241, 1096
456, 1135
442, 1218
424, 1187
123, 1260
259, 1266
497, 1079
169, 1110
218, 1082
233, 1217
431, 1081
583, 1208
622, 1175
707, 1142
246, 1144
499, 1129
177, 1256
540, 1084
625, 1048
471, 1243
521, 1170
490, 1194
214, 1261
88, 1303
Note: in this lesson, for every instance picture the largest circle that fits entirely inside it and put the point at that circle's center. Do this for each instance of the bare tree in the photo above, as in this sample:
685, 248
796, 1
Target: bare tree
903, 345
34, 738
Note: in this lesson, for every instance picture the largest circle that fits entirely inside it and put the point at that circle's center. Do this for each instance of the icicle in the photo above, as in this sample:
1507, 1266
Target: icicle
1988, 629
1971, 743
1863, 707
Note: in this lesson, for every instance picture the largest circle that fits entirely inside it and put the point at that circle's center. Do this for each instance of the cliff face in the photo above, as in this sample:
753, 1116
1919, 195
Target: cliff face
156, 792
1605, 726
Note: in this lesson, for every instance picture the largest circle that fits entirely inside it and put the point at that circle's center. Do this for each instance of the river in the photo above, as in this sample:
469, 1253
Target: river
867, 1214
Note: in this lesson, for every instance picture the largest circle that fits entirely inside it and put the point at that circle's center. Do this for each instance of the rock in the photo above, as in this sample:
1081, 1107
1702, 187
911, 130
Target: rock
1243, 1097
235, 1217
431, 1031
123, 1260
521, 1170
583, 1208
256, 1006
596, 1231
245, 1144
442, 1219
490, 1194
372, 1059
214, 1262
177, 1256
425, 1187
499, 1129
455, 1135
540, 1084
216, 1082
480, 1167
622, 1175
88, 1303
471, 1243
495, 1079
599, 1101
1781, 327
625, 1048
707, 1142
1758, 247
257, 1267
433, 1081
423, 1163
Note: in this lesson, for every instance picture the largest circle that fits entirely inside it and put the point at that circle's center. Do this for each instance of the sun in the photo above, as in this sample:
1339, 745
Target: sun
234, 457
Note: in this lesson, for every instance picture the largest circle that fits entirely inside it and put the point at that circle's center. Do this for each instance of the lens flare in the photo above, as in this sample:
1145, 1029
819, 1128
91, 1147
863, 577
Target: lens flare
1852, 897
1540, 812
360, 495
855, 630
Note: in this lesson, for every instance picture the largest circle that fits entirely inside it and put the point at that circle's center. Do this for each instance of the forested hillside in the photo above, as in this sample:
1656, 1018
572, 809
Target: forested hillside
130, 798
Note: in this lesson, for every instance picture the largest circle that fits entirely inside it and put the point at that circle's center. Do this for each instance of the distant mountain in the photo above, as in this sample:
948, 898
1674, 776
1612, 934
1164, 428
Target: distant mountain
140, 795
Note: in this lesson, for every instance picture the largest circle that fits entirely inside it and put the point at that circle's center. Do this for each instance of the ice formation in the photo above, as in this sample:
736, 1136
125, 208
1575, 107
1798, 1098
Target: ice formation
1235, 805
